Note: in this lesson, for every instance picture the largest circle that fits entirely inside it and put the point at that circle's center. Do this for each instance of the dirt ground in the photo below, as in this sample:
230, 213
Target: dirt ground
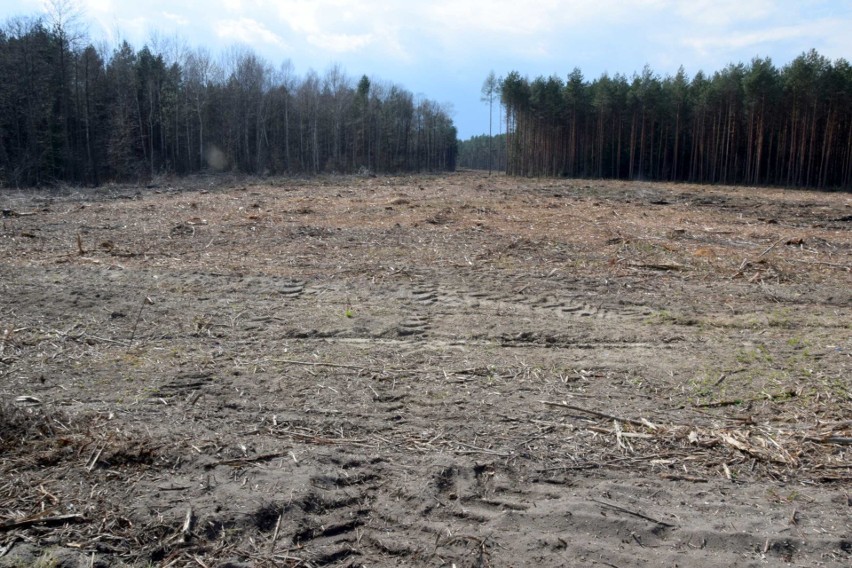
455, 370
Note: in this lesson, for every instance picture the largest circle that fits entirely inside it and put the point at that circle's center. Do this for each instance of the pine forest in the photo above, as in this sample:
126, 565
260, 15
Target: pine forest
751, 124
73, 113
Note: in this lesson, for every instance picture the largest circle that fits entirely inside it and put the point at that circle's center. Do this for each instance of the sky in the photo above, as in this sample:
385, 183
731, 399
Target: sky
444, 49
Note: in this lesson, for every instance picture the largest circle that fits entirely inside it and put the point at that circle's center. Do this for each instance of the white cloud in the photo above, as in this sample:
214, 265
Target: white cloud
137, 27
340, 43
97, 6
725, 12
233, 6
708, 43
344, 26
176, 18
810, 33
302, 16
248, 31
461, 37
390, 42
505, 17
517, 30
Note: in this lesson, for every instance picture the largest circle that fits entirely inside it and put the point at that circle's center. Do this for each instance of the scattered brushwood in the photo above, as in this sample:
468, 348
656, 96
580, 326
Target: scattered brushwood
784, 450
58, 470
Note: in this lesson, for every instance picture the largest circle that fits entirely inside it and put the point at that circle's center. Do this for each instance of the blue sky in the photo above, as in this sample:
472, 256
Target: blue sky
443, 49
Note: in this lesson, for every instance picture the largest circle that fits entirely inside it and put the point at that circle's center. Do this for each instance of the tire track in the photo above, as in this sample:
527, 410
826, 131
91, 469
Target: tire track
433, 297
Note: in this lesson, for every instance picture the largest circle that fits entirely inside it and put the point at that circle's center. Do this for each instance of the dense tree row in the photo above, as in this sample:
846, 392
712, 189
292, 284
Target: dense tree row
72, 113
746, 124
474, 153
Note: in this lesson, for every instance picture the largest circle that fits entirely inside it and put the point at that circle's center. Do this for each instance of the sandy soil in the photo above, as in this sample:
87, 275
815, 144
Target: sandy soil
454, 370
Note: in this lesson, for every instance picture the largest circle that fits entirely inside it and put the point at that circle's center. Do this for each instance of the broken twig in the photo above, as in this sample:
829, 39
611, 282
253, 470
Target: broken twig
33, 521
634, 513
596, 413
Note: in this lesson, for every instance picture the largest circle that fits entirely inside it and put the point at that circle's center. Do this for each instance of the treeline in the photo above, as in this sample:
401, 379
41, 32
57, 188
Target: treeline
746, 124
72, 113
474, 153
